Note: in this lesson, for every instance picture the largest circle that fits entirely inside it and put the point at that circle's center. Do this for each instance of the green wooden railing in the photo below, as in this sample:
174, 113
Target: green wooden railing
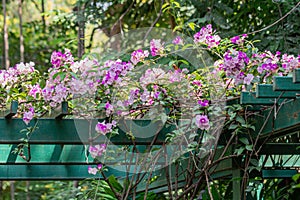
57, 151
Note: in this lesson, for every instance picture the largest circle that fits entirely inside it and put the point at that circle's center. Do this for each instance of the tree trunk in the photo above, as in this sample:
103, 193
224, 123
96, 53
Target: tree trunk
1, 188
5, 37
21, 31
43, 16
12, 190
27, 190
81, 27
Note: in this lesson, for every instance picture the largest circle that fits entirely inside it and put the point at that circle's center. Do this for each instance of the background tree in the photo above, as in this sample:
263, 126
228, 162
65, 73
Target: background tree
5, 37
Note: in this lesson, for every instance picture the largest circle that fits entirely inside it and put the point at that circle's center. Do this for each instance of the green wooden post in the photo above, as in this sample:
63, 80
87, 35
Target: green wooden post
236, 184
296, 76
12, 110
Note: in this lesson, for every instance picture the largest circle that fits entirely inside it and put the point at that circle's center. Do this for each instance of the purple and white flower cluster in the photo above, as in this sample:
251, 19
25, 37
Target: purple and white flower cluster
97, 150
28, 115
94, 170
234, 65
139, 56
239, 40
104, 128
19, 73
157, 47
207, 36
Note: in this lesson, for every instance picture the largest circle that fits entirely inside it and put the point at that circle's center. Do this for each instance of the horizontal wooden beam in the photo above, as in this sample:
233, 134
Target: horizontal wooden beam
280, 149
76, 131
249, 98
285, 83
51, 172
278, 173
45, 154
280, 161
266, 91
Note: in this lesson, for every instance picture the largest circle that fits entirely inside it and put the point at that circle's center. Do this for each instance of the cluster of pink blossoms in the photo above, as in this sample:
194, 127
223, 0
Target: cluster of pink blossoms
239, 40
59, 59
56, 89
16, 74
206, 36
97, 150
270, 64
234, 64
157, 47
94, 170
267, 62
104, 128
116, 70
178, 41
139, 56
290, 62
28, 116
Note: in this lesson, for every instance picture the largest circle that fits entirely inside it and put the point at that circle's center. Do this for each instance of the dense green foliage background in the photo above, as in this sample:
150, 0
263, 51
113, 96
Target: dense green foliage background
56, 27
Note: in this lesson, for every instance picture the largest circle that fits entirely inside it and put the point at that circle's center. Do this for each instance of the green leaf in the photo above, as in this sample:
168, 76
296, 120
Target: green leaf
177, 5
249, 147
296, 186
239, 151
244, 140
192, 25
240, 120
254, 162
233, 126
114, 182
296, 177
215, 192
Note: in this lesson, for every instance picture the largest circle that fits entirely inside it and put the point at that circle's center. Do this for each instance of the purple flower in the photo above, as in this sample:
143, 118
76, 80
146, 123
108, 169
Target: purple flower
156, 47
202, 122
92, 170
97, 150
156, 94
101, 128
116, 69
178, 40
248, 79
238, 40
234, 63
205, 35
139, 56
289, 62
197, 82
99, 166
213, 41
57, 58
104, 128
27, 116
203, 103
34, 91
109, 108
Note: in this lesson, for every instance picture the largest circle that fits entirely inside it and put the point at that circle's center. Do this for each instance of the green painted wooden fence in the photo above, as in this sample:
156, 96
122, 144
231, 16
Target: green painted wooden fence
57, 151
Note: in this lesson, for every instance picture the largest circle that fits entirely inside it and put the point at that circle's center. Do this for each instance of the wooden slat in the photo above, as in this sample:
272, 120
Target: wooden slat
266, 91
284, 83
